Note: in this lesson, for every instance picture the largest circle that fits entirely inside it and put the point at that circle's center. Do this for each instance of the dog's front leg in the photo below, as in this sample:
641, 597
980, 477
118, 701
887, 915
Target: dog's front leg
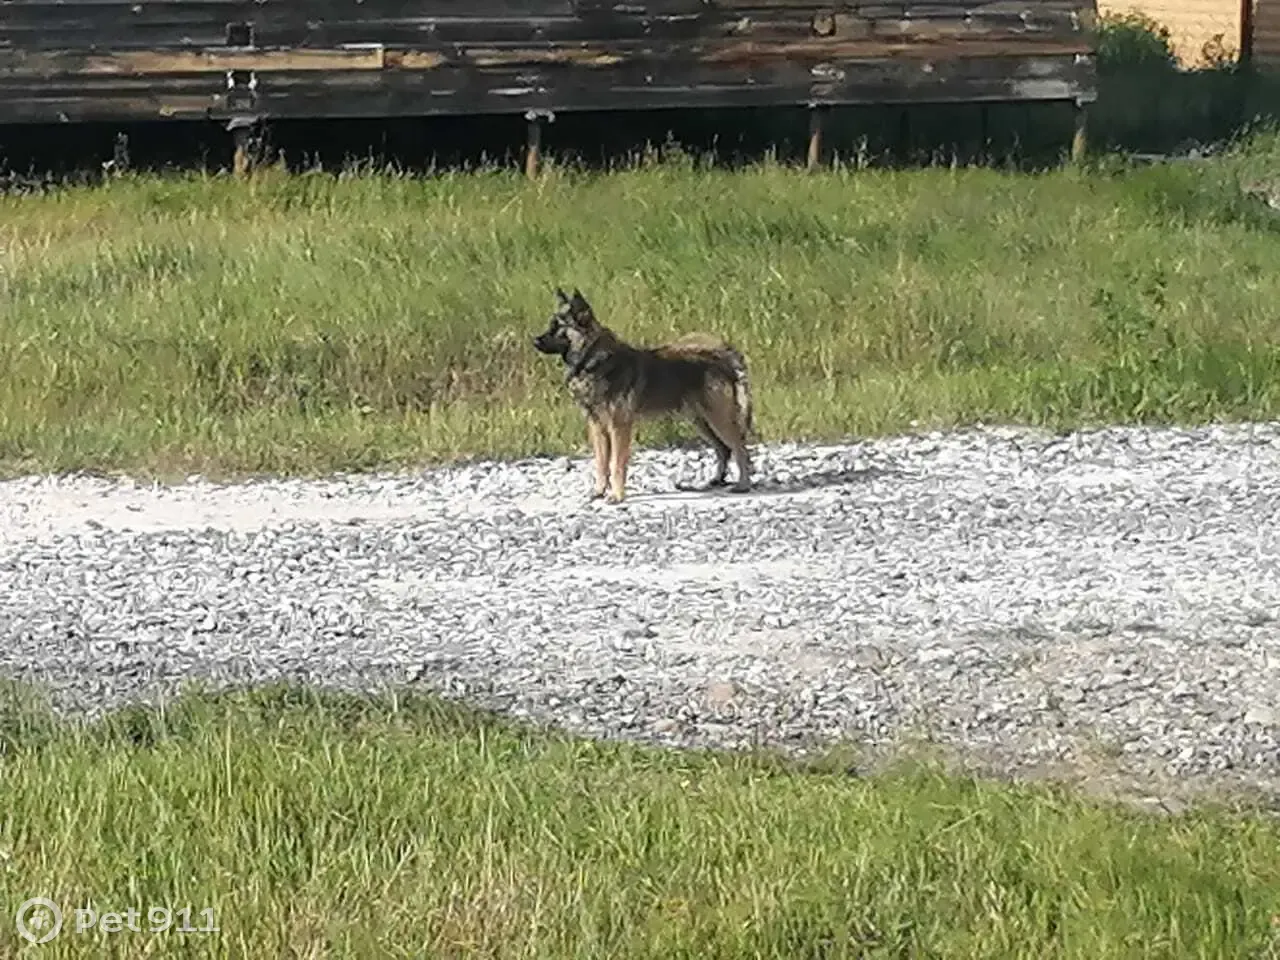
599, 438
620, 429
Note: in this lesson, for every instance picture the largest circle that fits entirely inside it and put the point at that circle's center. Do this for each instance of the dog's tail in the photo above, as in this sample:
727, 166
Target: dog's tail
742, 395
730, 362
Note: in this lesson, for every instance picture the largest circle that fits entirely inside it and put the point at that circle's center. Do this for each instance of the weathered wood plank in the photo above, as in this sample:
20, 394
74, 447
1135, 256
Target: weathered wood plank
797, 37
172, 98
212, 60
889, 81
118, 14
153, 25
373, 9
452, 90
277, 32
117, 30
931, 40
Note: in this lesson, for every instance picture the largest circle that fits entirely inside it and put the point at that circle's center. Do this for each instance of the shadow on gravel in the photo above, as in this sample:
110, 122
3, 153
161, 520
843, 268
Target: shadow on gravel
820, 480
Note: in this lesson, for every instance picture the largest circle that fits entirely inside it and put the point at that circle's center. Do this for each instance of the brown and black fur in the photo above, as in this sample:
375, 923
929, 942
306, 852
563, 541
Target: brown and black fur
616, 384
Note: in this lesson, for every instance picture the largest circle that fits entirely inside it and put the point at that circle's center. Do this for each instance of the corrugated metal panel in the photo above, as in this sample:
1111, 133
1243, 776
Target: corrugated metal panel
1266, 33
1191, 23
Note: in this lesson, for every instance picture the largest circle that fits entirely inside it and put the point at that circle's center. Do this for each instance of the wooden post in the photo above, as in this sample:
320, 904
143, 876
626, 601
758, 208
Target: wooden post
904, 135
533, 148
242, 158
533, 142
1080, 139
534, 120
817, 120
240, 161
120, 154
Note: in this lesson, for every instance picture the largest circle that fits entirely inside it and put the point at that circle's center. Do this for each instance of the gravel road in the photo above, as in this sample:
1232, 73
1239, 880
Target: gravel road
1108, 598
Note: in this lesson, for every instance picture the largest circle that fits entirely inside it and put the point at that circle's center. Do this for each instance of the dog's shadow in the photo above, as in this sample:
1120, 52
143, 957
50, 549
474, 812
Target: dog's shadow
768, 487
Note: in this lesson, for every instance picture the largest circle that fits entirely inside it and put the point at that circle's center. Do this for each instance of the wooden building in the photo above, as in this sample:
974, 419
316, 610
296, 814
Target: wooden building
241, 61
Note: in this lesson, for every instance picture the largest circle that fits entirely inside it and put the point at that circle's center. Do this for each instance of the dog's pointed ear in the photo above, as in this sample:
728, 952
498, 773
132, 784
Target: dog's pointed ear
579, 301
561, 295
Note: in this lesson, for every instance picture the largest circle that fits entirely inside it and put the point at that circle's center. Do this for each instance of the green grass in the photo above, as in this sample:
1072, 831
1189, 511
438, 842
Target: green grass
307, 323
321, 825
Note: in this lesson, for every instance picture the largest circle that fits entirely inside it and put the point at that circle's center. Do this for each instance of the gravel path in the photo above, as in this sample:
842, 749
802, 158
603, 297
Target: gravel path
1108, 598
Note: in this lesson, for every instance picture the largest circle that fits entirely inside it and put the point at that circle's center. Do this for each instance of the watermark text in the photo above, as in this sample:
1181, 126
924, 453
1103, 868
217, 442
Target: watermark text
40, 919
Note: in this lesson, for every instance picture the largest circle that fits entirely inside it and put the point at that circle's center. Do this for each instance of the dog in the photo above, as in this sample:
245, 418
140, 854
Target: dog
616, 384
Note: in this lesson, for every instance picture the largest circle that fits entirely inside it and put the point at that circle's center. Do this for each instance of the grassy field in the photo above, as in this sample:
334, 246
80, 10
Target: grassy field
325, 826
302, 324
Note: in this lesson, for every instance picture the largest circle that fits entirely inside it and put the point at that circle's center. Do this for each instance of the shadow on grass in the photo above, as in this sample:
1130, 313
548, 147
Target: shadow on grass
296, 715
1202, 128
1190, 193
29, 722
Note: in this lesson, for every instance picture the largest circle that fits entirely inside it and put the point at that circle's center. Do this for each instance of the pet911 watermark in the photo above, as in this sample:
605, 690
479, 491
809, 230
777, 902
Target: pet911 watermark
40, 919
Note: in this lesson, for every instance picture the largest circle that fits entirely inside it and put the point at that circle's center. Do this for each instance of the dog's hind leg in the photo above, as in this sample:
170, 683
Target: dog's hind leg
721, 449
720, 414
743, 459
599, 437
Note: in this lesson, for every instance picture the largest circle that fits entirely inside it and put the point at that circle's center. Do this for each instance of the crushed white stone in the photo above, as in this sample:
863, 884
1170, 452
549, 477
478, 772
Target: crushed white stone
1010, 591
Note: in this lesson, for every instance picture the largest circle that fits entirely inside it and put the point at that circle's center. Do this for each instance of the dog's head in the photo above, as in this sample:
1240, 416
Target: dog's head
570, 326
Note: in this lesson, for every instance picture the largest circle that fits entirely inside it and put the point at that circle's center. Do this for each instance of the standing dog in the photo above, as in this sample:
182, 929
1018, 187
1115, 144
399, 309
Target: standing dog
616, 384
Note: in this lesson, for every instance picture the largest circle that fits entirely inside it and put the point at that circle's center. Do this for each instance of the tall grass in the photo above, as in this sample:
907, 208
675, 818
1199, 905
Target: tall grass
305, 323
325, 826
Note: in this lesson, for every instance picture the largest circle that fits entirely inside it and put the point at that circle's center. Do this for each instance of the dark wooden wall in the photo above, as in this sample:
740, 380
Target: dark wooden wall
77, 60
